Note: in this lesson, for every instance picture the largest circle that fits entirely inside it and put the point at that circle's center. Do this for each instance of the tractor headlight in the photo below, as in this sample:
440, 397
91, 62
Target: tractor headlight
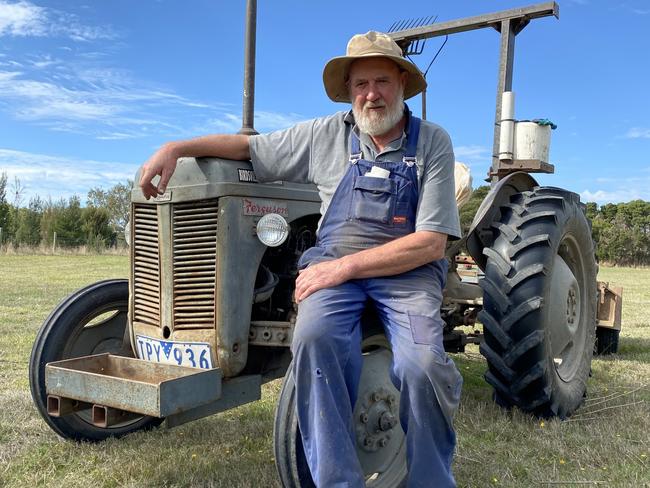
272, 230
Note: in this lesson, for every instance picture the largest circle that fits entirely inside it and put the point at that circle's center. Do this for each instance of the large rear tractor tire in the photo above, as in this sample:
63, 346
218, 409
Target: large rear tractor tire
539, 303
90, 321
381, 451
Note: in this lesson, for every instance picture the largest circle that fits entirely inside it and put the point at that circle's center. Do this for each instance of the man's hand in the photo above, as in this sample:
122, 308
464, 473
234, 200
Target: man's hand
162, 163
321, 275
392, 258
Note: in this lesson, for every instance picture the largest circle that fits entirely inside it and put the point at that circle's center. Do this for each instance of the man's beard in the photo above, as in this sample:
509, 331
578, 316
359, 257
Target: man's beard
375, 123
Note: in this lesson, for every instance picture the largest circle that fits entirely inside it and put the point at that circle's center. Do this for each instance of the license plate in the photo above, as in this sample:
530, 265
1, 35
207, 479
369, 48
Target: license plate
192, 354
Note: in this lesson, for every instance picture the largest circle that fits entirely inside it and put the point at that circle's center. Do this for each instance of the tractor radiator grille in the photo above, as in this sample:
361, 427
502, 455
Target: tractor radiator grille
194, 227
146, 265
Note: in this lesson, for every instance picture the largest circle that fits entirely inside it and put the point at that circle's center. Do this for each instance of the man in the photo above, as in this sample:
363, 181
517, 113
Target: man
386, 181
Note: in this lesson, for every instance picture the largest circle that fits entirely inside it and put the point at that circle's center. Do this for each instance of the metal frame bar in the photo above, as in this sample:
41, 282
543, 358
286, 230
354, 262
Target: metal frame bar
509, 23
478, 22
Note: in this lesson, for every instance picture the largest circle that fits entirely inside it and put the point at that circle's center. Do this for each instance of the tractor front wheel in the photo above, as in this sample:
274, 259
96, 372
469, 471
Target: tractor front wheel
92, 320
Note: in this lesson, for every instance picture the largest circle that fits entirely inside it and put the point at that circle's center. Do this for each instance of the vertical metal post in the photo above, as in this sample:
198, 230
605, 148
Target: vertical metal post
424, 104
249, 69
504, 83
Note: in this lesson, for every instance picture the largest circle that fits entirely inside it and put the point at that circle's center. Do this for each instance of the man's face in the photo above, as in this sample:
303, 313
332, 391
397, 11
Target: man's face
377, 92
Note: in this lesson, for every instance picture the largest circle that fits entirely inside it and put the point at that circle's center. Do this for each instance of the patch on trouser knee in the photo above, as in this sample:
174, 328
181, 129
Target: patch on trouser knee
446, 380
426, 330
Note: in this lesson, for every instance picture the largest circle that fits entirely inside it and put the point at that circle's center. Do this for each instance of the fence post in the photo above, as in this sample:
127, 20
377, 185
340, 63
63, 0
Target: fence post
54, 243
0, 236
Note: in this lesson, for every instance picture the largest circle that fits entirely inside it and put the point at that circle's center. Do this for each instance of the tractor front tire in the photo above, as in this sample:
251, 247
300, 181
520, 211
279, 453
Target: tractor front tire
92, 320
539, 303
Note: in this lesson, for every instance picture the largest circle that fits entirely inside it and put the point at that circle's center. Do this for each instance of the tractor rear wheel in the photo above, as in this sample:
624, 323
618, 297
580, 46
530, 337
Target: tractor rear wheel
539, 303
90, 321
382, 453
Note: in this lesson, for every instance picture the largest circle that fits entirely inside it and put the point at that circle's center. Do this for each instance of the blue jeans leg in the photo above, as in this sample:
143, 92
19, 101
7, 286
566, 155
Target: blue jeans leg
428, 380
327, 367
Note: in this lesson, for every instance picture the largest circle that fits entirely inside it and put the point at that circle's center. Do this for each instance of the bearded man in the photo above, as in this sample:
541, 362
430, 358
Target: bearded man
386, 180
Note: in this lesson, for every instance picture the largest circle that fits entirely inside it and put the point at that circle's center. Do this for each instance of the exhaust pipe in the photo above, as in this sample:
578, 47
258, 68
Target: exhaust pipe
249, 69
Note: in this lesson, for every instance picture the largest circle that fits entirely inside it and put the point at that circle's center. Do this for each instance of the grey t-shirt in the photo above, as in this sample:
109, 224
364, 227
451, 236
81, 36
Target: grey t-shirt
318, 151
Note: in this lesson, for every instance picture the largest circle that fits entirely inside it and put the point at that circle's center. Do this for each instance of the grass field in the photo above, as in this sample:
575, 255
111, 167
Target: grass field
606, 443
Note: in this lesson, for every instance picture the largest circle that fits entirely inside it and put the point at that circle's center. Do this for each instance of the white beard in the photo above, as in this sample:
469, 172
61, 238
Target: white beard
376, 124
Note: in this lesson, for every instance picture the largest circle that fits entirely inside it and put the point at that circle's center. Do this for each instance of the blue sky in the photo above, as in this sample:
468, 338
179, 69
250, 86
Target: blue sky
88, 90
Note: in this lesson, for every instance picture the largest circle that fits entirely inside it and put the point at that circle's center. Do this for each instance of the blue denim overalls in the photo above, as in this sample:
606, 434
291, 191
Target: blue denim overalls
366, 212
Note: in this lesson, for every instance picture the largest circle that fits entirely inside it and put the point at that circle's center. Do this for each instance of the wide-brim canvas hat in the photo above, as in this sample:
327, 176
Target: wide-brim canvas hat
369, 45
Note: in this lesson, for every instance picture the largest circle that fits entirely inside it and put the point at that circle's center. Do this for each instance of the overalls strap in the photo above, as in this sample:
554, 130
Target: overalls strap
411, 142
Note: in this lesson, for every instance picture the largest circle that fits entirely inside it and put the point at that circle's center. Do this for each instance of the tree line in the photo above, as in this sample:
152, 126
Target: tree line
64, 223
621, 231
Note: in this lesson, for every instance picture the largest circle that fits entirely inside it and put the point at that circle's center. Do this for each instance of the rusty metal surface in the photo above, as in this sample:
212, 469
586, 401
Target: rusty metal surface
60, 407
104, 417
132, 385
269, 333
193, 264
610, 305
234, 392
507, 166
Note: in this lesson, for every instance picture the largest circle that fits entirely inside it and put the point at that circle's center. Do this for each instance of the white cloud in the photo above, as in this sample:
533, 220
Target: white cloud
473, 153
56, 176
108, 104
23, 19
617, 194
638, 133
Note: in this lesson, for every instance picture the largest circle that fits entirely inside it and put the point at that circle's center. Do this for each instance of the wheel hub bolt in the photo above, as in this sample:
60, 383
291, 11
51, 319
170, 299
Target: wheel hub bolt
571, 306
386, 421
364, 418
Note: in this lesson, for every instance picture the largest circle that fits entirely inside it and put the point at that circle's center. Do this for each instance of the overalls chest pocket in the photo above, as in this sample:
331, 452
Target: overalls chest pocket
373, 199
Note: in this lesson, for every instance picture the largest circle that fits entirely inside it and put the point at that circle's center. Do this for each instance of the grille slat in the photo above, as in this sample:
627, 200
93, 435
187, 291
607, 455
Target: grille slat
193, 246
181, 212
208, 234
146, 265
195, 243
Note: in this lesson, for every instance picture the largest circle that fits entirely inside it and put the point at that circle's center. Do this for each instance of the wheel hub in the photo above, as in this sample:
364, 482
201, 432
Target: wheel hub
564, 310
376, 420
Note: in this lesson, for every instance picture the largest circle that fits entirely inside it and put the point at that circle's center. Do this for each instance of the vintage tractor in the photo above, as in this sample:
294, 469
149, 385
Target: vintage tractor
207, 314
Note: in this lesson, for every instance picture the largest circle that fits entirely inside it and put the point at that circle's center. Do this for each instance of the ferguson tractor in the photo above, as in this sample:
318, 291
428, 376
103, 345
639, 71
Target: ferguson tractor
207, 313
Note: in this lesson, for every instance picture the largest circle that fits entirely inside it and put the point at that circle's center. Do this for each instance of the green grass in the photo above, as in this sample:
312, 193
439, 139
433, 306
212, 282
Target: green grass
606, 442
